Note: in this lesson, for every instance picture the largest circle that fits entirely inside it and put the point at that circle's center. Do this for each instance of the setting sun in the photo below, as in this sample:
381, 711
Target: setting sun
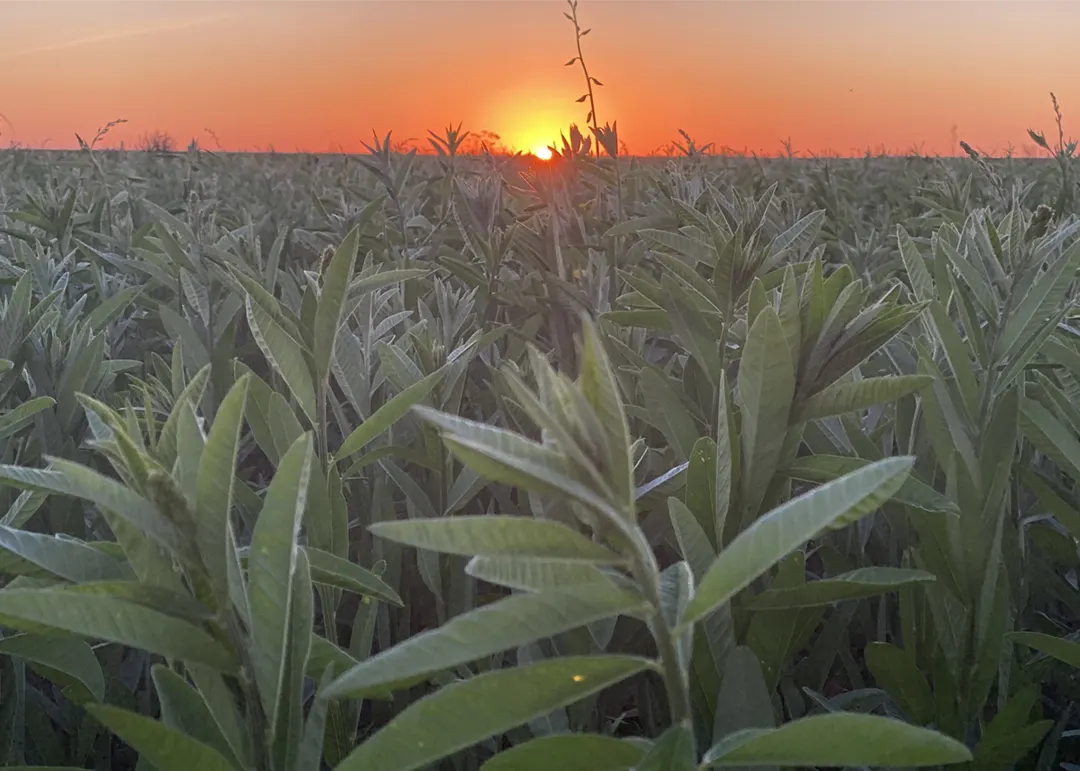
543, 152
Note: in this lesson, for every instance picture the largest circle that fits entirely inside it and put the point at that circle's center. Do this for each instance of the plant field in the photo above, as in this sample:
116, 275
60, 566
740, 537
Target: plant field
396, 461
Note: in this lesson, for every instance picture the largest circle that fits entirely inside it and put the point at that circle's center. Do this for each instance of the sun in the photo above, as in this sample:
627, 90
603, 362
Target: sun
530, 115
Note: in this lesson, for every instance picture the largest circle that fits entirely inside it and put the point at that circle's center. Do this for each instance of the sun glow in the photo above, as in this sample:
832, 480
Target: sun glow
531, 115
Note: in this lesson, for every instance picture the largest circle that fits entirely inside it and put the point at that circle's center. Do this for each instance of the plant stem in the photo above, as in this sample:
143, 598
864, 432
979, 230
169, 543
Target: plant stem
324, 446
647, 571
585, 70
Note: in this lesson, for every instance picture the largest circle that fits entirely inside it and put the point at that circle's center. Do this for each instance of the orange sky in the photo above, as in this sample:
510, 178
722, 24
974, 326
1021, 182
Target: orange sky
319, 76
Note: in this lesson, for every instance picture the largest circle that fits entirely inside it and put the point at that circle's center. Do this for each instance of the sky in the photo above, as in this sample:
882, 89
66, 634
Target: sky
830, 76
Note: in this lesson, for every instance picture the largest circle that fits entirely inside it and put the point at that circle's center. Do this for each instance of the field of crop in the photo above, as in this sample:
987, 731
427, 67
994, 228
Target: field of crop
390, 461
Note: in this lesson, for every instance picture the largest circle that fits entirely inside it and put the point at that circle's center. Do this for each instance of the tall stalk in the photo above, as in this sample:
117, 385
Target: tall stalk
590, 81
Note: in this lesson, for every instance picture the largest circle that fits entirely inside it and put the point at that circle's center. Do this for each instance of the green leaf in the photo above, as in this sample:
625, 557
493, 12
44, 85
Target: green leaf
533, 574
335, 287
190, 442
1055, 647
668, 413
23, 508
896, 672
214, 487
330, 570
728, 460
698, 251
73, 659
323, 654
178, 604
744, 700
773, 536
285, 355
179, 328
646, 318
838, 739
1066, 514
183, 710
69, 478
825, 468
842, 398
673, 751
310, 754
1008, 737
464, 713
16, 419
496, 535
715, 631
601, 391
191, 395
922, 283
165, 748
776, 635
1042, 299
856, 584
959, 358
766, 390
107, 618
692, 328
365, 284
112, 307
568, 752
272, 561
287, 724
503, 456
389, 413
63, 557
508, 623
1050, 436
694, 545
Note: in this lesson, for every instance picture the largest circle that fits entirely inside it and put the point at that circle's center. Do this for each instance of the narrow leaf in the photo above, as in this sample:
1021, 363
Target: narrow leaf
165, 748
464, 713
107, 618
496, 535
863, 582
852, 740
508, 623
775, 535
271, 564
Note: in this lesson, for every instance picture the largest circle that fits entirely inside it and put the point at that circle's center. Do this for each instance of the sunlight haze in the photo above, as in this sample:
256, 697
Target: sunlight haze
321, 76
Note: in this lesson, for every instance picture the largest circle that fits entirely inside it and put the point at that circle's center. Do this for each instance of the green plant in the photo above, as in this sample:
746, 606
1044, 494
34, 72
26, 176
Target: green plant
1064, 153
566, 580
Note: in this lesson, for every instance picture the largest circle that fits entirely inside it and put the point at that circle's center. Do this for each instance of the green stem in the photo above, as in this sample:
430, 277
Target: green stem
257, 725
647, 571
324, 447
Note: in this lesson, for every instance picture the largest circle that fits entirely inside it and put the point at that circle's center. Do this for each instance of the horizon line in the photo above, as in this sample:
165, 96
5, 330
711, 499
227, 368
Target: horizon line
523, 155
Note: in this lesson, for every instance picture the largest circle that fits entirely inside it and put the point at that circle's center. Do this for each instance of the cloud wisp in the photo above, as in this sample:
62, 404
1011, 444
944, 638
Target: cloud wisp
116, 36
